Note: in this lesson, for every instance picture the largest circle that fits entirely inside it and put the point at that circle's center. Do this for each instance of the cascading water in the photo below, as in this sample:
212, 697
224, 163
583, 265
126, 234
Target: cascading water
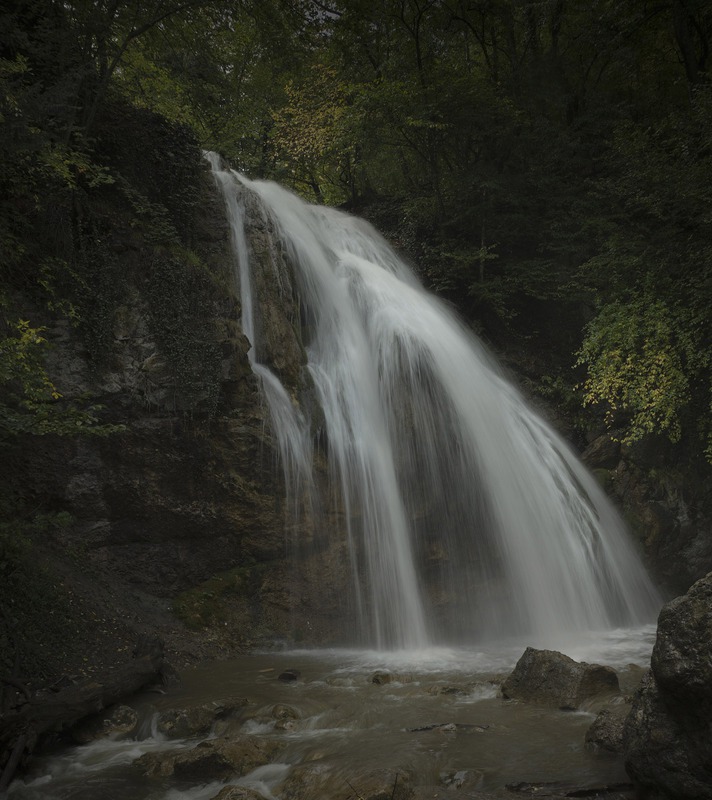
466, 515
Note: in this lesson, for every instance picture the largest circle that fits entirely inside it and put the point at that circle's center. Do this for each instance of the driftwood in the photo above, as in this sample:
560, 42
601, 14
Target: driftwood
22, 728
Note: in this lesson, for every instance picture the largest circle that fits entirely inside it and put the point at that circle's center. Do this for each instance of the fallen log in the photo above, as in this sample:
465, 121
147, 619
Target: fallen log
23, 728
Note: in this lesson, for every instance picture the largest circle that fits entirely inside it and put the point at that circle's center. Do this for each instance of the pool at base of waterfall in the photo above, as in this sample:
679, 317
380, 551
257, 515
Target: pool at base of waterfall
337, 723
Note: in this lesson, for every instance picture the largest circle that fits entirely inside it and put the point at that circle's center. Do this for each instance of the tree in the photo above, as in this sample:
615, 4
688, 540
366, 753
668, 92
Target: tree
647, 351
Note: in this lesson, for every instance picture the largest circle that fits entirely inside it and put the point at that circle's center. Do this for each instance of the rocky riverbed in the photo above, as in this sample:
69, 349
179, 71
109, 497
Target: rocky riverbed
353, 724
603, 718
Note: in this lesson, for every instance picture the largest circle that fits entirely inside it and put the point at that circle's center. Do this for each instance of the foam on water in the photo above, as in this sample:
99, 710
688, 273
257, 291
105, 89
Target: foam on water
616, 648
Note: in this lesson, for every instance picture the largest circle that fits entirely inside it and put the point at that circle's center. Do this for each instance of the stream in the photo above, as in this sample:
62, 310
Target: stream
346, 726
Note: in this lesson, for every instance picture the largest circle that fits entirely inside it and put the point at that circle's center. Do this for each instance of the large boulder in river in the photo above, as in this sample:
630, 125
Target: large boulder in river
667, 737
549, 678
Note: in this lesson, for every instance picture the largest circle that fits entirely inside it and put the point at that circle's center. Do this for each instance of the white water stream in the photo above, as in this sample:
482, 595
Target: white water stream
467, 516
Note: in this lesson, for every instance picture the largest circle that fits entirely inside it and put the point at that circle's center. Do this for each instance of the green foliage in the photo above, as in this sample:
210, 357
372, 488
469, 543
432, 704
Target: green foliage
146, 83
31, 404
533, 156
313, 138
154, 219
635, 367
648, 350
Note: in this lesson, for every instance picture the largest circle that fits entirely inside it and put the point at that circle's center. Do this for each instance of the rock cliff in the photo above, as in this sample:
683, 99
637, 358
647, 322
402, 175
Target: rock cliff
665, 499
177, 521
666, 737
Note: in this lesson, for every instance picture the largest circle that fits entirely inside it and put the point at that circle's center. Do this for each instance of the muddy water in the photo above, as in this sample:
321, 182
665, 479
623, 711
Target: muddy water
347, 726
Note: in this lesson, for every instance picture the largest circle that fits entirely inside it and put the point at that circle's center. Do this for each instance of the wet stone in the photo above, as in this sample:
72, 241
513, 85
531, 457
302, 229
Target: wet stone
549, 678
212, 760
184, 723
282, 711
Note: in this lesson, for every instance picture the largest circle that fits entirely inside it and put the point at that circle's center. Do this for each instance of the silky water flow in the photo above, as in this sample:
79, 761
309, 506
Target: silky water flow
467, 516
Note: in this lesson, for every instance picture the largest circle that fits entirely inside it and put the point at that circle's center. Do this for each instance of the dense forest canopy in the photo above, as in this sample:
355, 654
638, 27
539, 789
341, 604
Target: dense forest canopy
548, 163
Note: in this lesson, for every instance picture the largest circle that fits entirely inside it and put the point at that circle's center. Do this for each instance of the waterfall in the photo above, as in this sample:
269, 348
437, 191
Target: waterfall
466, 515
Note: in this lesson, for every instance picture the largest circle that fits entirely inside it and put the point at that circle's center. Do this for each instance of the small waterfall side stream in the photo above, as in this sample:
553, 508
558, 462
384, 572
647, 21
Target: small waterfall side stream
467, 516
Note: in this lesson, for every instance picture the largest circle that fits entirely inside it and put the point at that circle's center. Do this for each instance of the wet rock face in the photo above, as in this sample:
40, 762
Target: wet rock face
278, 328
666, 501
191, 489
549, 678
682, 656
667, 737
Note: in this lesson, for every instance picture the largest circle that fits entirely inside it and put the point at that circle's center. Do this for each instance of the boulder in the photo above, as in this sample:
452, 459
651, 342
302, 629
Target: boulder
682, 655
605, 736
549, 678
184, 723
667, 741
211, 760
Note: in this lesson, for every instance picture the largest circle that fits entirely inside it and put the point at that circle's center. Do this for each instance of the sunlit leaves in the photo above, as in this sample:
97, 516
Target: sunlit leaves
312, 133
636, 369
648, 352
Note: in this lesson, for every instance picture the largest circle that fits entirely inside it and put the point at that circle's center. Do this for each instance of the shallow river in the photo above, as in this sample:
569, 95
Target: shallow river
348, 725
